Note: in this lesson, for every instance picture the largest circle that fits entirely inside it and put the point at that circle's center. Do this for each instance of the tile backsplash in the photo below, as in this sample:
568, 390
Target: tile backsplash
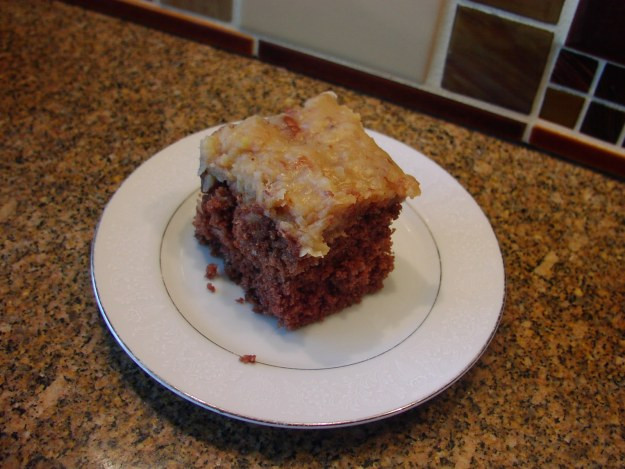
363, 33
554, 69
495, 59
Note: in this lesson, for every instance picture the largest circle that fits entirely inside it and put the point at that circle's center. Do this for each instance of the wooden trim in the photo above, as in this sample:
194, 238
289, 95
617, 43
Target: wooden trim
576, 150
172, 22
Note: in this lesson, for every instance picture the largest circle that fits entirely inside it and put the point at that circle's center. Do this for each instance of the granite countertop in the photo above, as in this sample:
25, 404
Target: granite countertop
85, 99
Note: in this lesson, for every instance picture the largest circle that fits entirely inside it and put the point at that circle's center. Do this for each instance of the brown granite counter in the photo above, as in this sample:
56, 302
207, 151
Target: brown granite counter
85, 98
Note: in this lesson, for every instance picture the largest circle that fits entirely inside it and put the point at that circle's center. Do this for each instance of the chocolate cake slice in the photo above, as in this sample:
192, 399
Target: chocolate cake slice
299, 206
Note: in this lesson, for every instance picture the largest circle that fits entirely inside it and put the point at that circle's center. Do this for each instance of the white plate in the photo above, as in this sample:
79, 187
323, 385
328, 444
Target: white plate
398, 348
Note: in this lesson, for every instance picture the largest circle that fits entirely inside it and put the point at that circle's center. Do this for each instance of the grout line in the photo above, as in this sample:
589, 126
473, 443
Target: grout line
621, 137
436, 67
591, 56
582, 94
560, 31
589, 95
539, 97
236, 14
508, 15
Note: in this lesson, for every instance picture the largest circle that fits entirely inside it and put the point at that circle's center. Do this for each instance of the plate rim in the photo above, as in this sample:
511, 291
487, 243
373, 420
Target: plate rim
280, 423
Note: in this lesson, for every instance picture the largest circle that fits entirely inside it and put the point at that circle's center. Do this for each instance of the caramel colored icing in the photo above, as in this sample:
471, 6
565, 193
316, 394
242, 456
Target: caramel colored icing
305, 167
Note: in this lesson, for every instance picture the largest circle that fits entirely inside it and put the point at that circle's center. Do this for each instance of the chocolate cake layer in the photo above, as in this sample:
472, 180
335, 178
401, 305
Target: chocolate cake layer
276, 279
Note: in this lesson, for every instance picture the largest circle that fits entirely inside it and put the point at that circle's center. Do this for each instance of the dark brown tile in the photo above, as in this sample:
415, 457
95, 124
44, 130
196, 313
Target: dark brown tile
574, 70
495, 60
581, 152
541, 10
218, 9
179, 25
611, 85
603, 122
598, 28
398, 93
561, 107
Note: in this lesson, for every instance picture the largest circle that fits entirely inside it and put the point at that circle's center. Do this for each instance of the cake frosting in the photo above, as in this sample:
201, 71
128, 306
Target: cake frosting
304, 168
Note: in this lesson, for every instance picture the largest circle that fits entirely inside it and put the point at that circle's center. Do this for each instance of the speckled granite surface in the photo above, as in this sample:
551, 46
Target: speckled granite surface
84, 99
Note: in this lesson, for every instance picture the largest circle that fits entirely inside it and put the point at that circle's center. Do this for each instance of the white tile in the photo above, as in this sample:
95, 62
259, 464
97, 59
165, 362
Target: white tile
393, 37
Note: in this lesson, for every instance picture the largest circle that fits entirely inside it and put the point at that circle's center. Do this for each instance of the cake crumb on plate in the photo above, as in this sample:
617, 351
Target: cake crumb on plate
247, 358
211, 271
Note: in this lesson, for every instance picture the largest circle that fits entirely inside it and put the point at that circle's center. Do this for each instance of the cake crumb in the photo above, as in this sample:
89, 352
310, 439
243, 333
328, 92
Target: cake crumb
247, 358
210, 287
240, 300
211, 271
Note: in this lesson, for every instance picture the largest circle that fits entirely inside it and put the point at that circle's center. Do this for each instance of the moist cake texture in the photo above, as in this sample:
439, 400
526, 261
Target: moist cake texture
299, 206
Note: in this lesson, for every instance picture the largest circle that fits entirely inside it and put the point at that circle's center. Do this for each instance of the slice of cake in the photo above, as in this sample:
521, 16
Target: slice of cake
299, 206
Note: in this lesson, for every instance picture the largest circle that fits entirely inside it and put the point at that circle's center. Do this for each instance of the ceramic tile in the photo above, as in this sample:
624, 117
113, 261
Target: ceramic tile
541, 10
401, 94
574, 70
218, 9
396, 41
612, 84
561, 107
496, 60
603, 122
597, 29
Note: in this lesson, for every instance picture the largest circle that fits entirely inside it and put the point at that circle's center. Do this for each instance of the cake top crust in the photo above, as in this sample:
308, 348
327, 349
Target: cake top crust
304, 167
